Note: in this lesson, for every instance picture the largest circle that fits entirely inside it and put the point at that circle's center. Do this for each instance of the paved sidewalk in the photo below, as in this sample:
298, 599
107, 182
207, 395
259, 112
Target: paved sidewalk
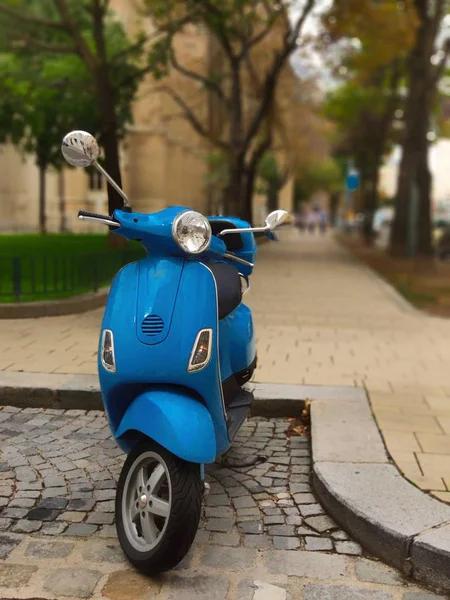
263, 536
321, 318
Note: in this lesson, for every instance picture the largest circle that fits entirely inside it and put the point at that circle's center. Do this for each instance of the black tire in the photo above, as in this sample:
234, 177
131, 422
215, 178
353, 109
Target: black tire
176, 539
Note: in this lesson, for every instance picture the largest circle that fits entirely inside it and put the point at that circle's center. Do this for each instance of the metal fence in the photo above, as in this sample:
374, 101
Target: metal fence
46, 277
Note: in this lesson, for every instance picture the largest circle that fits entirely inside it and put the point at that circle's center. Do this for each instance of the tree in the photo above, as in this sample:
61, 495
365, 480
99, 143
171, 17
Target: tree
324, 175
425, 66
363, 115
37, 107
374, 39
243, 91
273, 179
85, 29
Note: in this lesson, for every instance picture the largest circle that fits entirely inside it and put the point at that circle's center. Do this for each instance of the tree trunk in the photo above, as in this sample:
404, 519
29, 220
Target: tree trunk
42, 202
62, 202
234, 191
414, 169
371, 198
109, 134
249, 187
425, 243
334, 204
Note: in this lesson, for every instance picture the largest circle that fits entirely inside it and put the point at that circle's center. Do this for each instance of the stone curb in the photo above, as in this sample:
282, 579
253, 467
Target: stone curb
364, 492
52, 390
54, 308
352, 474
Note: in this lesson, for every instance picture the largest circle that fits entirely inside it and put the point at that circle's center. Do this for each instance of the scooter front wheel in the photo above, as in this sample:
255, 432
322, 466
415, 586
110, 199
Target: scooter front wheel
158, 505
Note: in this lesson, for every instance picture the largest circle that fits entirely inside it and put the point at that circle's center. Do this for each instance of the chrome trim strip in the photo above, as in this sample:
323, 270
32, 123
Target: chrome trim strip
244, 230
247, 282
238, 260
217, 340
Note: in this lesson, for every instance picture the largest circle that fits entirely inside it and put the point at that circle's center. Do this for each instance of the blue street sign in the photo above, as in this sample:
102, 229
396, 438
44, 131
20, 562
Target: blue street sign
352, 181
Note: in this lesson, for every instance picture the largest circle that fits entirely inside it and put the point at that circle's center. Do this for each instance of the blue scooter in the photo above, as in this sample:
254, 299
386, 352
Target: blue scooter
176, 348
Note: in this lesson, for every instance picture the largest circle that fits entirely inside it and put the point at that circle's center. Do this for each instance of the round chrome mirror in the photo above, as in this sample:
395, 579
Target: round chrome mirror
80, 148
276, 218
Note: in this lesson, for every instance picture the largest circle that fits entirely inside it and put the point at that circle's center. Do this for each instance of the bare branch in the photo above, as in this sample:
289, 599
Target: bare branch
130, 78
208, 83
224, 41
26, 40
258, 38
189, 114
253, 74
260, 150
293, 35
27, 18
80, 43
130, 49
279, 61
268, 91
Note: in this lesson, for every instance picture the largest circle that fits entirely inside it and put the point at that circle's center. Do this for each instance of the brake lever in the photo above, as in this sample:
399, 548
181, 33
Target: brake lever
97, 218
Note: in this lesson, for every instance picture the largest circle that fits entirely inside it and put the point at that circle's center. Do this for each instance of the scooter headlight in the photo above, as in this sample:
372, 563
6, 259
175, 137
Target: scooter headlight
192, 232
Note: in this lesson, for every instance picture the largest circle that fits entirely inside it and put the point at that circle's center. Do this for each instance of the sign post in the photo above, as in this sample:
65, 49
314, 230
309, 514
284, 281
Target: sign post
351, 185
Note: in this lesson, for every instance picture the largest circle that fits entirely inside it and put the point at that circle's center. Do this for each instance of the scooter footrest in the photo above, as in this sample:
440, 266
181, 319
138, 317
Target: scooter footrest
236, 416
243, 399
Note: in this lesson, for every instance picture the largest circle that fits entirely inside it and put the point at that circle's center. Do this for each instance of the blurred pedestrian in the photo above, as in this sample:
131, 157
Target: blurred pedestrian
299, 220
312, 221
323, 223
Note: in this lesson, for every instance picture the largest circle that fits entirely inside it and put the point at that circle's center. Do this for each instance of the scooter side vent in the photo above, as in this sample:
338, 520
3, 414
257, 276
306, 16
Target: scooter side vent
152, 325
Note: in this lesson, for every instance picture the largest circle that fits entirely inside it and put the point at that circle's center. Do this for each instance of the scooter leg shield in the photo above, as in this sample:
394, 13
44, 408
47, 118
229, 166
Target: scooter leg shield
175, 420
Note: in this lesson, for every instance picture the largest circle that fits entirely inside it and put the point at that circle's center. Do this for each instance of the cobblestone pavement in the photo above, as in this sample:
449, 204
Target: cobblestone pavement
263, 535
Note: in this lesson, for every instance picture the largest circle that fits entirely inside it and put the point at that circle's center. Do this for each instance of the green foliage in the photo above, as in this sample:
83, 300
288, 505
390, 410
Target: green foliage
47, 92
217, 176
376, 33
346, 104
234, 24
270, 174
325, 175
32, 31
42, 99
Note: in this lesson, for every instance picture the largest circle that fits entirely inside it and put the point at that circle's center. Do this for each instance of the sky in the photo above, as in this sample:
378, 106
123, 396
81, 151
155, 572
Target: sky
309, 63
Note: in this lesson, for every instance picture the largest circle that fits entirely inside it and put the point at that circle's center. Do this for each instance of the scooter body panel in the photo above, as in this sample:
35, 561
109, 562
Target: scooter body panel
161, 413
141, 366
236, 342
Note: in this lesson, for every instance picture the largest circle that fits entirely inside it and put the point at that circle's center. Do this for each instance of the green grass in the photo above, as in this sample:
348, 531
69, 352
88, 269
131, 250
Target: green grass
33, 244
34, 267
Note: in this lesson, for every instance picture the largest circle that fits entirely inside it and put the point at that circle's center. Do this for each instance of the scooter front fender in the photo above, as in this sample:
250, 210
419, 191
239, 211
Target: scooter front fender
175, 419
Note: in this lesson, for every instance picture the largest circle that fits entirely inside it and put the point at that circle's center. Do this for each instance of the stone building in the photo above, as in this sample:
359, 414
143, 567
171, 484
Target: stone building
162, 158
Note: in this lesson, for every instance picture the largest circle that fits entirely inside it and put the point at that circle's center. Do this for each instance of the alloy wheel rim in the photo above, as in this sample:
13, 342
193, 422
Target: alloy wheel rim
146, 501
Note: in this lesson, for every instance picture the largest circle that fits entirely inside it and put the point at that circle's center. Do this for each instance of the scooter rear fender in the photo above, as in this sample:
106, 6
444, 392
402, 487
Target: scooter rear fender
175, 418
